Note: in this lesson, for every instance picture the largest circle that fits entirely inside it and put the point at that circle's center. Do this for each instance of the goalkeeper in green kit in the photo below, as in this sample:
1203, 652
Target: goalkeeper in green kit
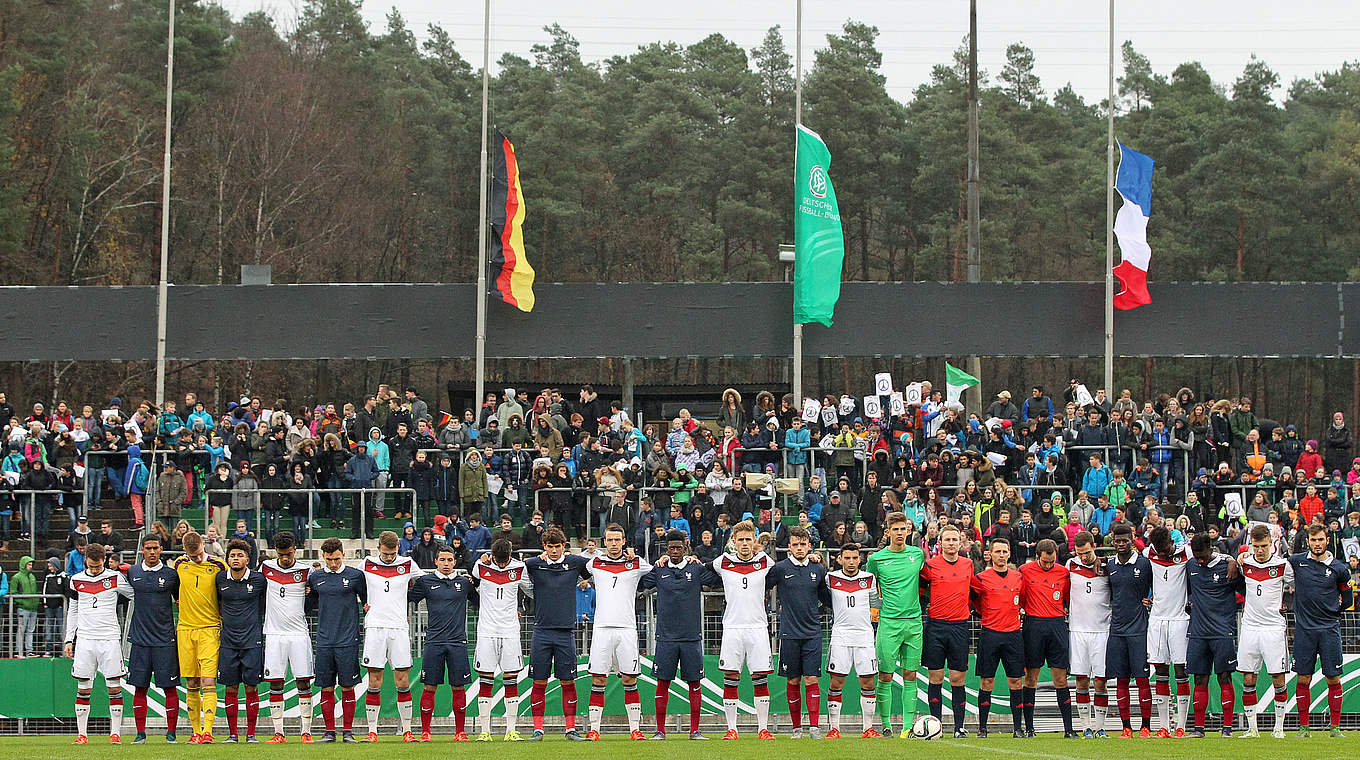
897, 568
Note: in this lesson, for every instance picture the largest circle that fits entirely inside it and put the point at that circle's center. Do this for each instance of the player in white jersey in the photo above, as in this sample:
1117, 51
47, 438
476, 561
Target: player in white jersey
287, 641
852, 640
387, 636
746, 627
613, 634
1263, 640
500, 580
1169, 626
1088, 625
94, 639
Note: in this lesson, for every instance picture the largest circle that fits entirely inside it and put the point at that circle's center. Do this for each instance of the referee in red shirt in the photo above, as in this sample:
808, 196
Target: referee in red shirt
996, 596
1045, 601
949, 579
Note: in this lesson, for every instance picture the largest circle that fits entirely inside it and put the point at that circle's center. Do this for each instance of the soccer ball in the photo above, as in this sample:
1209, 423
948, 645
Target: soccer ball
927, 727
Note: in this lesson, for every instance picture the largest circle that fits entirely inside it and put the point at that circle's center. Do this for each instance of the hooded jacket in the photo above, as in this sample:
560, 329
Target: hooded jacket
472, 478
734, 417
361, 469
25, 583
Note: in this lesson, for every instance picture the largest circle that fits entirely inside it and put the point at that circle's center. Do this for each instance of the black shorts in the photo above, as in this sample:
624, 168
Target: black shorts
337, 664
800, 657
1046, 642
237, 665
688, 655
552, 652
440, 660
1004, 648
1204, 655
153, 664
946, 643
1310, 644
1126, 656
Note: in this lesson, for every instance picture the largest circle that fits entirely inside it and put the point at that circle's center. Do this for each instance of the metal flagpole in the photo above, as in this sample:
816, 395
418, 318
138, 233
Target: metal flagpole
1109, 219
797, 120
165, 216
481, 220
974, 204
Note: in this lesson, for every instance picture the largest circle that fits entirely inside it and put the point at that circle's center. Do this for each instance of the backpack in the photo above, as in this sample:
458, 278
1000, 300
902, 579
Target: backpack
139, 476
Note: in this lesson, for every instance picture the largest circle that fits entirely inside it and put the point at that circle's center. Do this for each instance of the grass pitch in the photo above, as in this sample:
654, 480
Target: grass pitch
678, 747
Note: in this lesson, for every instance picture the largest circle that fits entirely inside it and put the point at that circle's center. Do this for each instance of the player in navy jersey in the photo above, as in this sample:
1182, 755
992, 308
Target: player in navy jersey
1214, 580
1321, 591
800, 580
552, 649
153, 657
446, 594
679, 584
241, 598
339, 591
1130, 575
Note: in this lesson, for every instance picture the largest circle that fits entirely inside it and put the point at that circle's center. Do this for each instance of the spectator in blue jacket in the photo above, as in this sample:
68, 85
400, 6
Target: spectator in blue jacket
1037, 405
1161, 457
1097, 477
1103, 517
477, 537
797, 439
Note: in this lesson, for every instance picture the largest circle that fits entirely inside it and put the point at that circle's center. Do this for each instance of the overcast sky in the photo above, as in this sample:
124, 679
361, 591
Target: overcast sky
1069, 37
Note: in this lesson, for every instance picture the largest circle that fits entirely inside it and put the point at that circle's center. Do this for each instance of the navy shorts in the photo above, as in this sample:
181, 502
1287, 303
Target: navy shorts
1004, 648
946, 642
237, 665
1311, 644
158, 664
800, 657
1046, 642
1217, 654
688, 655
439, 660
1126, 656
552, 652
337, 664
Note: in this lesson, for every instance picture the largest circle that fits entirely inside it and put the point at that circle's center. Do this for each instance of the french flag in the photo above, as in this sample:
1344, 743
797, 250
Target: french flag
1134, 183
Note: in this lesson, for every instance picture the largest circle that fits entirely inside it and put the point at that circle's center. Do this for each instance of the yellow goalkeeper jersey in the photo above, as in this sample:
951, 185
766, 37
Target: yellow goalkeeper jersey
198, 592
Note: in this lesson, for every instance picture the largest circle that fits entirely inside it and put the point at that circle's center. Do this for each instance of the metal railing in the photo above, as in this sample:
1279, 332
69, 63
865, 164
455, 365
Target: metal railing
32, 635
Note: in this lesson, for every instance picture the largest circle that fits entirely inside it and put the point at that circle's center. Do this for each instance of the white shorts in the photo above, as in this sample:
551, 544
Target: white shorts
387, 646
284, 652
1086, 653
103, 656
749, 646
1167, 640
614, 650
497, 655
1262, 646
840, 659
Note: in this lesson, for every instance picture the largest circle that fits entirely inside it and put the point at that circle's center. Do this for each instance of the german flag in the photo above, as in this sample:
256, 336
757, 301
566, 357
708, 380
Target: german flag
509, 265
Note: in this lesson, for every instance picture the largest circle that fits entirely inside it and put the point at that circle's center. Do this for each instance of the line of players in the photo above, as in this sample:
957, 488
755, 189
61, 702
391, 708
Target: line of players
1095, 619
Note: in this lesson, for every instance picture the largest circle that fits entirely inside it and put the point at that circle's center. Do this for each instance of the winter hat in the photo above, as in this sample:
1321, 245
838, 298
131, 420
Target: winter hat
1312, 444
115, 401
1286, 471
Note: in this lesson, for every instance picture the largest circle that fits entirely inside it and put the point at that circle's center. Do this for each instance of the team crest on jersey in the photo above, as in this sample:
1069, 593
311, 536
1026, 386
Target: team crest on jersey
344, 583
812, 575
1274, 571
1057, 596
160, 581
249, 588
514, 575
628, 566
689, 576
108, 582
401, 569
1016, 600
297, 577
864, 583
1137, 572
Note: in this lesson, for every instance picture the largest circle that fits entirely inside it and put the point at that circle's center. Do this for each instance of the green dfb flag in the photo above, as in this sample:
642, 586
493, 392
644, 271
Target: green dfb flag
819, 243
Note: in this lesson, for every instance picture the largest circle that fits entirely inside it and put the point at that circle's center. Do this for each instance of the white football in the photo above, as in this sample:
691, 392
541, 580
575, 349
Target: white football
927, 727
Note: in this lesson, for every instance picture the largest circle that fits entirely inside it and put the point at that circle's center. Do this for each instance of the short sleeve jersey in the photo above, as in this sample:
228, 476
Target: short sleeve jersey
1045, 591
198, 592
851, 619
387, 587
744, 589
616, 584
1169, 591
998, 599
949, 584
899, 581
1265, 583
1088, 597
285, 612
499, 589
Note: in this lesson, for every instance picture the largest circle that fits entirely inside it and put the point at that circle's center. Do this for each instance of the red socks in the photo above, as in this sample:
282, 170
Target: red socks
814, 704
139, 709
1304, 697
459, 710
328, 708
1225, 695
1334, 702
347, 708
569, 704
1145, 702
231, 711
663, 697
487, 689
1201, 701
536, 700
171, 709
1121, 693
252, 709
696, 702
426, 710
795, 697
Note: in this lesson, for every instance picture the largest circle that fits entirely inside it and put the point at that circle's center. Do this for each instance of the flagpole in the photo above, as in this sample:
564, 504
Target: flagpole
161, 294
974, 204
1109, 219
797, 120
481, 218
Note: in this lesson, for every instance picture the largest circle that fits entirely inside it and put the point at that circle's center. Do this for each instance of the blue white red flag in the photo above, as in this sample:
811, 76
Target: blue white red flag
1134, 183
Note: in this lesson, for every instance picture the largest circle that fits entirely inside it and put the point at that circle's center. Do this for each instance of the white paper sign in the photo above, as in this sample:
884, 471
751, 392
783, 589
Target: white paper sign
896, 405
1084, 397
883, 383
912, 394
847, 405
829, 417
872, 407
1351, 547
811, 409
